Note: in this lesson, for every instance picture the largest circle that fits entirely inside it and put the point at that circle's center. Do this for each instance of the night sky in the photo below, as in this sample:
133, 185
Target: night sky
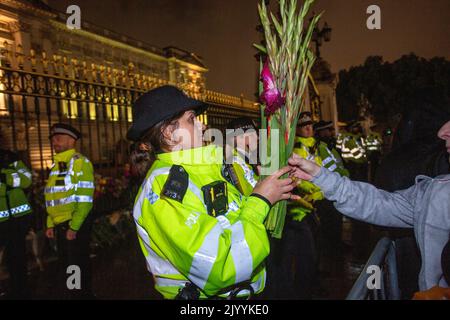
222, 31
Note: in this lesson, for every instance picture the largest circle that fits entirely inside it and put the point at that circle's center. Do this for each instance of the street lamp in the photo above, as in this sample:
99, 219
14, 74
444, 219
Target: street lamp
319, 34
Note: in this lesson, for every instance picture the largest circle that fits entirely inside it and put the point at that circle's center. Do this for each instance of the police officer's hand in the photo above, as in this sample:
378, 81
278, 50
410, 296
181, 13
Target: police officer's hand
71, 235
49, 233
302, 168
275, 189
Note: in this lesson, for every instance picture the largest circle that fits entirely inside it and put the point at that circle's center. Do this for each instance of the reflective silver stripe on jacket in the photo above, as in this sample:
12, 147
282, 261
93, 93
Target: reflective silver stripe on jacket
70, 186
147, 191
248, 173
56, 172
70, 199
16, 180
165, 282
332, 167
26, 173
326, 161
204, 259
85, 184
57, 189
197, 192
155, 264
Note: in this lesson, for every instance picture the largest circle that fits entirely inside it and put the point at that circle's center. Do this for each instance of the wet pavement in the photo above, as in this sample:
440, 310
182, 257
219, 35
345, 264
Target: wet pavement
341, 265
119, 272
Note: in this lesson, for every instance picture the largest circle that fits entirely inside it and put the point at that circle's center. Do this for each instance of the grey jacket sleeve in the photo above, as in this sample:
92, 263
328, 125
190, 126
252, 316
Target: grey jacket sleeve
433, 230
364, 202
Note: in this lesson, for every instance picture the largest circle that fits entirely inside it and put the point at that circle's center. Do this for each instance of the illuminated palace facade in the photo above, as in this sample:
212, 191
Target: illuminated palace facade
90, 78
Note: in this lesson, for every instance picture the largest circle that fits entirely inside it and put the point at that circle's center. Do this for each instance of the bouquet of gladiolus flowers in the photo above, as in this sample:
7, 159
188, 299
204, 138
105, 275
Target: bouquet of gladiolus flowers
284, 76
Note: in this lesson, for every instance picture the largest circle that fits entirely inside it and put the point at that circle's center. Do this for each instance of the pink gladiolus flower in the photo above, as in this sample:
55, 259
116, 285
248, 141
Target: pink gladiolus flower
270, 96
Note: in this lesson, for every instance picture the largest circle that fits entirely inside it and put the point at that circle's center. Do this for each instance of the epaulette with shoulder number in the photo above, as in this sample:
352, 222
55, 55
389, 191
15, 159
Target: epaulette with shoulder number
177, 183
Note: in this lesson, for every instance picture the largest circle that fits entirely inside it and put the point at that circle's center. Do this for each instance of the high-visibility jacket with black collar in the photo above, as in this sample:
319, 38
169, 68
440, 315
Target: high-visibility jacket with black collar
15, 178
374, 142
331, 159
69, 190
307, 148
353, 148
245, 174
183, 243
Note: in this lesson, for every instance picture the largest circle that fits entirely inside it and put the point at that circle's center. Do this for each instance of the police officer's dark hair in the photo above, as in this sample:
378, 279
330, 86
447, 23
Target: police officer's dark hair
141, 159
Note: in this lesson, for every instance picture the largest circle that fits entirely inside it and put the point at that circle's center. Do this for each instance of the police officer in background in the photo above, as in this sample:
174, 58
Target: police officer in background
243, 155
293, 260
15, 211
355, 159
374, 144
354, 152
69, 199
331, 220
324, 132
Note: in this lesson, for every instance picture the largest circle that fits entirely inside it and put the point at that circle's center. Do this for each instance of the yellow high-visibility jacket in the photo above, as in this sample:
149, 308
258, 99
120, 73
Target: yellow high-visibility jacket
13, 201
183, 243
307, 148
69, 190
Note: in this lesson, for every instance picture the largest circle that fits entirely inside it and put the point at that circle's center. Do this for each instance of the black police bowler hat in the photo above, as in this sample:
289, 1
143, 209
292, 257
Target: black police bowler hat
304, 119
157, 105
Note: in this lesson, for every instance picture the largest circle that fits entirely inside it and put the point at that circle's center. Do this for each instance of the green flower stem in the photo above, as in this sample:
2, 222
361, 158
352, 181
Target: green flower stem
287, 47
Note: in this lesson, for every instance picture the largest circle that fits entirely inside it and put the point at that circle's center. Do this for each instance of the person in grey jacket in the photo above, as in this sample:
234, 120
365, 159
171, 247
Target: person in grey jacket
425, 206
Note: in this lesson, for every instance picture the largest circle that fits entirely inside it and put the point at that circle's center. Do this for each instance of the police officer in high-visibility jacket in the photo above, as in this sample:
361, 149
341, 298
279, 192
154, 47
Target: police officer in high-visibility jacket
374, 144
200, 236
242, 156
293, 262
330, 219
350, 144
69, 199
354, 152
315, 150
15, 211
355, 159
325, 135
299, 241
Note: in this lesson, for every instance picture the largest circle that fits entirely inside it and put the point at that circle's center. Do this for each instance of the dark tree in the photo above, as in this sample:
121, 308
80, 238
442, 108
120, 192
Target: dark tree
404, 86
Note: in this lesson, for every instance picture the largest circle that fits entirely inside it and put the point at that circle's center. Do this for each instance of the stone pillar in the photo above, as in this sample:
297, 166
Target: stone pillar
327, 92
172, 68
20, 31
